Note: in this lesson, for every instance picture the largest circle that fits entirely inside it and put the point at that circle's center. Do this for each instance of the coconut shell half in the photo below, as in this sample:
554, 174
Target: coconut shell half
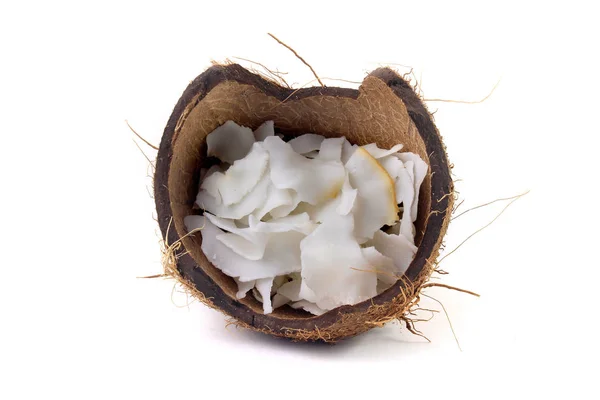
384, 110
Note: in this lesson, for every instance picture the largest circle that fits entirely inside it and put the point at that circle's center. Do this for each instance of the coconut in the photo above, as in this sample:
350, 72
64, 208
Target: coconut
384, 111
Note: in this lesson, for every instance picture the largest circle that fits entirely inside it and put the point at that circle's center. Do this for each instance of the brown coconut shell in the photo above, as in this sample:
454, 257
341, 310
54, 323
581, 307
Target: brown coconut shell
384, 110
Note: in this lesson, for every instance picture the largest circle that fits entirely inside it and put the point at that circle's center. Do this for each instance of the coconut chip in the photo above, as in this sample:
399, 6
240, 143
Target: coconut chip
290, 170
264, 131
333, 265
307, 143
242, 176
376, 199
229, 142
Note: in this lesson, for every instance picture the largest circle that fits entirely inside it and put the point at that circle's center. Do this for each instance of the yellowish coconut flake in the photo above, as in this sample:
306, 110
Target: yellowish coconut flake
375, 203
313, 180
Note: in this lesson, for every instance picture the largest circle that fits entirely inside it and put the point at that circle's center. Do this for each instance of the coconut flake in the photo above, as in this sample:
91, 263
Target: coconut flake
252, 201
291, 290
420, 171
264, 131
264, 288
332, 262
306, 143
306, 292
347, 150
375, 203
211, 181
297, 222
275, 198
405, 194
347, 198
290, 170
396, 247
277, 282
279, 301
382, 265
285, 210
308, 306
376, 152
243, 288
321, 212
331, 149
230, 142
392, 165
243, 175
342, 204
241, 246
246, 242
282, 255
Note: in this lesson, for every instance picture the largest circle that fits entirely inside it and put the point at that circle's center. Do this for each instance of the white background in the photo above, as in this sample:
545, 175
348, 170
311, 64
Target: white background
77, 219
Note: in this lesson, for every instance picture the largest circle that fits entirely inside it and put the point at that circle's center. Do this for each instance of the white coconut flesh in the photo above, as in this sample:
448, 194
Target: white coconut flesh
305, 144
314, 223
420, 171
242, 176
375, 204
377, 153
265, 130
230, 142
314, 181
331, 149
333, 265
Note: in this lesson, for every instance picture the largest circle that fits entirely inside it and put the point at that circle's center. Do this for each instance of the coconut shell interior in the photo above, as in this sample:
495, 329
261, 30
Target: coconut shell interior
384, 110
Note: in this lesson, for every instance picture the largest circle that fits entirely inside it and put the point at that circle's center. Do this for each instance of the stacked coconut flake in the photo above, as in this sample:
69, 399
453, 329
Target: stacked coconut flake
300, 223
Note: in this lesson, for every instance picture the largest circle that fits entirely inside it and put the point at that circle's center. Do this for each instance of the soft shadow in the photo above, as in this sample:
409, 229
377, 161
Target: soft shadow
376, 344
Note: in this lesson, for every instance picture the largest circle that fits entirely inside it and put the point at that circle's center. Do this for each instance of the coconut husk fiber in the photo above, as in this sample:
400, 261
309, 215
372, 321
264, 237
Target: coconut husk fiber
384, 110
